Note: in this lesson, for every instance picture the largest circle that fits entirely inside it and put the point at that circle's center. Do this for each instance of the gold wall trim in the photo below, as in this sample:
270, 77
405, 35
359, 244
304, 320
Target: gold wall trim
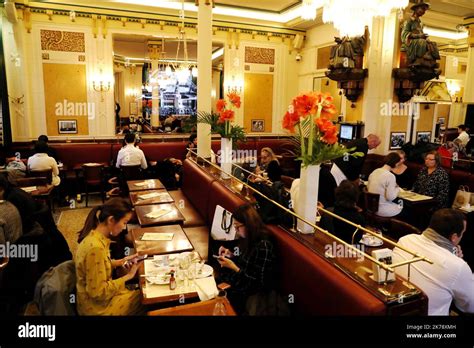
64, 41
159, 19
259, 55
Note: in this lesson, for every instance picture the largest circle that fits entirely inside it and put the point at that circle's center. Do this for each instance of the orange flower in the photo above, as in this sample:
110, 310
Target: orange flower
226, 115
328, 108
234, 99
290, 120
220, 105
306, 104
330, 136
323, 124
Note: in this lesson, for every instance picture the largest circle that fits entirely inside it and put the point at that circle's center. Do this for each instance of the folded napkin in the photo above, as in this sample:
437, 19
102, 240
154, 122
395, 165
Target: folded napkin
150, 195
158, 213
206, 288
157, 236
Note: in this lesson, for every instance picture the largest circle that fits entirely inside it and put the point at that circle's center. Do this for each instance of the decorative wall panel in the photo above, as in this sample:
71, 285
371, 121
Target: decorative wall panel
65, 41
258, 55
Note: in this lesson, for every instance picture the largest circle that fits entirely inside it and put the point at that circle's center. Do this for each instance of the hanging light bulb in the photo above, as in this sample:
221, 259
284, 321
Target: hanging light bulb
194, 71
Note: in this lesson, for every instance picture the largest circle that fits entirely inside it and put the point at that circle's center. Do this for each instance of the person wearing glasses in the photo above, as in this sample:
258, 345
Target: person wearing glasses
433, 180
250, 268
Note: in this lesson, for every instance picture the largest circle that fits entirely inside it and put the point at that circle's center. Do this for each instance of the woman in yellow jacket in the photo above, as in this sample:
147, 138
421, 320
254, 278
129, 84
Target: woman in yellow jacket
97, 292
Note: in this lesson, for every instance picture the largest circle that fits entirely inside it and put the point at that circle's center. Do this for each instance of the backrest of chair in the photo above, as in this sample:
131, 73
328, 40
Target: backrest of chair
371, 201
47, 173
93, 173
399, 229
131, 172
54, 288
32, 181
287, 181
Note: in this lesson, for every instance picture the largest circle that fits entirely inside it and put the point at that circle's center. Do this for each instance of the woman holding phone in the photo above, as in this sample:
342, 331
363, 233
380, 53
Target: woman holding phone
249, 268
97, 292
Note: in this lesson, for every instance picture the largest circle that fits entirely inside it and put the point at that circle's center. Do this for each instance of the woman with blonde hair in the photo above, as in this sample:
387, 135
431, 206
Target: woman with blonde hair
97, 292
266, 156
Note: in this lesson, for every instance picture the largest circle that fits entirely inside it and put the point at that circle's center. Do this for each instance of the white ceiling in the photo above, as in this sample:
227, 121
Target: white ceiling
265, 5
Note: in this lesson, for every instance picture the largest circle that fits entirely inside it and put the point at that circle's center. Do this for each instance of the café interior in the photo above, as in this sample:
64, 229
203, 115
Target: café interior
88, 74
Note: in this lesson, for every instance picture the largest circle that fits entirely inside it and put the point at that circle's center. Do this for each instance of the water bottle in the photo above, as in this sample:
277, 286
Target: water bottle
219, 307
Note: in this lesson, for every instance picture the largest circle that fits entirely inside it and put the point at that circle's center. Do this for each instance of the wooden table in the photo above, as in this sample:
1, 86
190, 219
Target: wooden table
174, 216
204, 308
419, 210
162, 197
150, 184
179, 243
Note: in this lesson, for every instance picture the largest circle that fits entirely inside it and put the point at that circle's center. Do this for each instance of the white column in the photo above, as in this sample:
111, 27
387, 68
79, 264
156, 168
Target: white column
155, 95
379, 84
469, 86
204, 81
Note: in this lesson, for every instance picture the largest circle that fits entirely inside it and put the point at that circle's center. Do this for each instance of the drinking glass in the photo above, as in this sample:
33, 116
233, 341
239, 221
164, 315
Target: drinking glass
219, 307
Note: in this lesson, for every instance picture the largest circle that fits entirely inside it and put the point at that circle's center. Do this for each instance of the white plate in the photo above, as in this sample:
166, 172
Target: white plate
371, 241
205, 272
160, 276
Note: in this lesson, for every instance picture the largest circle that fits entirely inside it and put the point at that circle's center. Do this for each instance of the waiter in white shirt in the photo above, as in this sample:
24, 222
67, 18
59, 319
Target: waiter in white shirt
130, 155
463, 136
350, 168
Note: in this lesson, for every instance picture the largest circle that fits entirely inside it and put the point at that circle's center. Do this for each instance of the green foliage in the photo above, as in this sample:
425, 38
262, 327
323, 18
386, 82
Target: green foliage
237, 133
322, 152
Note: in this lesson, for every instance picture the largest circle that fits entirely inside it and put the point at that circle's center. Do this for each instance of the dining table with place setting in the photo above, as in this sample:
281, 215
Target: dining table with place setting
148, 197
159, 240
158, 214
147, 184
175, 277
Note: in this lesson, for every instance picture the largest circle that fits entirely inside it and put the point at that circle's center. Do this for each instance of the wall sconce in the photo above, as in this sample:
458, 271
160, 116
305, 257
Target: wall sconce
236, 86
234, 89
101, 86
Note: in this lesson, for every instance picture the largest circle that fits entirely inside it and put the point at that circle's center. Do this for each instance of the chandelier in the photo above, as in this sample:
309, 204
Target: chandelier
350, 17
183, 67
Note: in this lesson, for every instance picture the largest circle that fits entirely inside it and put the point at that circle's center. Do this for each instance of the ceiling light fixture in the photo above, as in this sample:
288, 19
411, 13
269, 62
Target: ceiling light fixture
350, 17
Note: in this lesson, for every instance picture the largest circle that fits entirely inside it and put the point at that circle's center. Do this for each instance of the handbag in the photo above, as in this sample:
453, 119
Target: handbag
463, 197
222, 227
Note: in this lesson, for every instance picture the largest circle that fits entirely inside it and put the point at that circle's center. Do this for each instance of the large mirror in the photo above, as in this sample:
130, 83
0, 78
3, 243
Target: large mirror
156, 83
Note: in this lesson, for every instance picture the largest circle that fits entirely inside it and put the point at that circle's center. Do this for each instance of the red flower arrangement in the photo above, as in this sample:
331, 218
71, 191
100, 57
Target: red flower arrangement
309, 113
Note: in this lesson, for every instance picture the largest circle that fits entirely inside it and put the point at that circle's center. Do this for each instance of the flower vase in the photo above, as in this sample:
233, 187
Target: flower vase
307, 201
226, 158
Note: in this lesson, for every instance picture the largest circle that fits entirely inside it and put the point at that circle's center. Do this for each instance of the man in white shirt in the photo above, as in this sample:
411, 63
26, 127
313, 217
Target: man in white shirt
463, 136
449, 277
130, 155
41, 161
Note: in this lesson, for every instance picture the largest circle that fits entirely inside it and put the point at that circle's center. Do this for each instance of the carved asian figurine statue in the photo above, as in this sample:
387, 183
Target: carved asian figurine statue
419, 49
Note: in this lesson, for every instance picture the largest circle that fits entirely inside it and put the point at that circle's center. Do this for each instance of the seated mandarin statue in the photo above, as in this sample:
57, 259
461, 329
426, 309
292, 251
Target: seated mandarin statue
419, 49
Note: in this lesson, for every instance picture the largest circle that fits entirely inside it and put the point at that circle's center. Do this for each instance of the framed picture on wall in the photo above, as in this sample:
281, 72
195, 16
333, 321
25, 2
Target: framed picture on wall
423, 137
67, 126
258, 126
397, 139
134, 108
